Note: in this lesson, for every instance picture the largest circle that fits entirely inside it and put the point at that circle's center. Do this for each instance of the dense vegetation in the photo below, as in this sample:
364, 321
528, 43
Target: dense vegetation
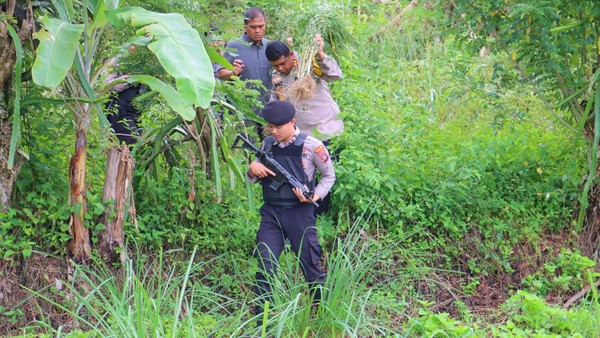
455, 212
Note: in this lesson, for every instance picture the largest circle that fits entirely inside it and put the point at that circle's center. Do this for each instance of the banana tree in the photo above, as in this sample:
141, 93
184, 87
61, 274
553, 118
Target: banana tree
67, 61
12, 35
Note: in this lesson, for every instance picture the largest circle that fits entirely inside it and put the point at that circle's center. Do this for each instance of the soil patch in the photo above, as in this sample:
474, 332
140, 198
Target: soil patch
40, 274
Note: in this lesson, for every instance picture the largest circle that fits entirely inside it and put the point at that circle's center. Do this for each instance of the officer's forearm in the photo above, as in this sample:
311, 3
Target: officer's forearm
224, 74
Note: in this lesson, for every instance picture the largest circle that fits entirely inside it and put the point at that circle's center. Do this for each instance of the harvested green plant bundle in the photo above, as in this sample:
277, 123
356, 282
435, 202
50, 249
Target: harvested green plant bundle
304, 87
322, 18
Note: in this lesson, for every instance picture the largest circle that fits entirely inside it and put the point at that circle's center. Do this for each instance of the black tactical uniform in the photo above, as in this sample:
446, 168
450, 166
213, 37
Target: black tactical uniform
283, 216
121, 112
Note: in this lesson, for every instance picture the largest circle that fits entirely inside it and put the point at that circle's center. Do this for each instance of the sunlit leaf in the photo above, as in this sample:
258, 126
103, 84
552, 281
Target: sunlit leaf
216, 57
98, 7
178, 48
56, 51
170, 95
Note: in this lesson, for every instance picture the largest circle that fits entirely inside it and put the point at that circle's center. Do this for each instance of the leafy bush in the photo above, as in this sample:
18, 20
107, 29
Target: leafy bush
215, 227
566, 274
531, 315
457, 155
430, 324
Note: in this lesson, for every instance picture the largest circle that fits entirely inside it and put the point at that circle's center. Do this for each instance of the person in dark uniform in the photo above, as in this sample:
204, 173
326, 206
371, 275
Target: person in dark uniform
122, 114
247, 54
286, 213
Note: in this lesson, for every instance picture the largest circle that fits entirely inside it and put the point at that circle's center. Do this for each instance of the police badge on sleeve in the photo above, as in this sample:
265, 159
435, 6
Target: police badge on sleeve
322, 153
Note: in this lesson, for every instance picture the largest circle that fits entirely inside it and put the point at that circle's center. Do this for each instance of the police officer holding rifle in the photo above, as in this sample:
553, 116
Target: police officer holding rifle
288, 211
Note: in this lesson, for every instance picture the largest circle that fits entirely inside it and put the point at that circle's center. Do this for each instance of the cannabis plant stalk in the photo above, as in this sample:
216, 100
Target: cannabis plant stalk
304, 87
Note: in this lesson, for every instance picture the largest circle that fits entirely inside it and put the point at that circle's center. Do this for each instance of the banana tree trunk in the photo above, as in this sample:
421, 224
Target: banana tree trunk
8, 59
80, 245
7, 176
117, 180
589, 237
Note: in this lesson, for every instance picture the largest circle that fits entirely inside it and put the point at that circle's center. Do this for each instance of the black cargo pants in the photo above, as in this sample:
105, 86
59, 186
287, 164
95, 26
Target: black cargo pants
298, 224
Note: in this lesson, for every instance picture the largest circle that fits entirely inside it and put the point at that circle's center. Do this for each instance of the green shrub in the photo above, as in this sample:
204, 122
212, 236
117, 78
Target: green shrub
444, 146
530, 315
566, 274
214, 226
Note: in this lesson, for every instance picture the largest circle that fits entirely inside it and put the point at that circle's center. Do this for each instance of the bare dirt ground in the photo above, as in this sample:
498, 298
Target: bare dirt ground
19, 281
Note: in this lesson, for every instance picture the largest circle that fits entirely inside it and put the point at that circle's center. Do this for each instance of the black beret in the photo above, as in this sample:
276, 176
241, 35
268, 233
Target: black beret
278, 113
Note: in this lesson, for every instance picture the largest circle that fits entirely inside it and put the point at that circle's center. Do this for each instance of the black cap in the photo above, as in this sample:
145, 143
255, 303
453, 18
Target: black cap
278, 113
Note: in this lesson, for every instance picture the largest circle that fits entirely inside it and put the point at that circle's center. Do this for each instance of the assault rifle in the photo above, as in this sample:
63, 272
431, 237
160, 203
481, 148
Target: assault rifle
281, 174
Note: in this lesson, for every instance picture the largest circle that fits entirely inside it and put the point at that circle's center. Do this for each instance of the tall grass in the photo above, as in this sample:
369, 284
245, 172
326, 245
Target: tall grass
361, 296
368, 293
145, 298
167, 296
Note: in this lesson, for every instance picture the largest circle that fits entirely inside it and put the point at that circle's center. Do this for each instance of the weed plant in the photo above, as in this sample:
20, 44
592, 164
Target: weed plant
530, 315
523, 315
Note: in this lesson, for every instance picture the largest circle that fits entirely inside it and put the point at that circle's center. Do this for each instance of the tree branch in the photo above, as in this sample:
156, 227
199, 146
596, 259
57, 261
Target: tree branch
10, 7
567, 93
580, 294
543, 98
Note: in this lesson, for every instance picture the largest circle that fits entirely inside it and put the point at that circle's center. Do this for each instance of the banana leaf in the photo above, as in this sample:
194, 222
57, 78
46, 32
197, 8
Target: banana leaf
178, 48
170, 95
98, 8
56, 51
216, 57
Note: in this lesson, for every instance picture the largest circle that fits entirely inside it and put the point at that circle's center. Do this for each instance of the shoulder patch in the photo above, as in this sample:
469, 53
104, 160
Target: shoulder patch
316, 69
322, 153
278, 86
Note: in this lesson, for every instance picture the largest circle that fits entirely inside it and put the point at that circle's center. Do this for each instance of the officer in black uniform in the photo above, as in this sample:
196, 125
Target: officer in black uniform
286, 213
123, 115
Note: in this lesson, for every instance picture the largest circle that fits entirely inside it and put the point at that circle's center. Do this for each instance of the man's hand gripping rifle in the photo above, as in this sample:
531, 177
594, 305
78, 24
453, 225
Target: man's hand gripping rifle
281, 175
